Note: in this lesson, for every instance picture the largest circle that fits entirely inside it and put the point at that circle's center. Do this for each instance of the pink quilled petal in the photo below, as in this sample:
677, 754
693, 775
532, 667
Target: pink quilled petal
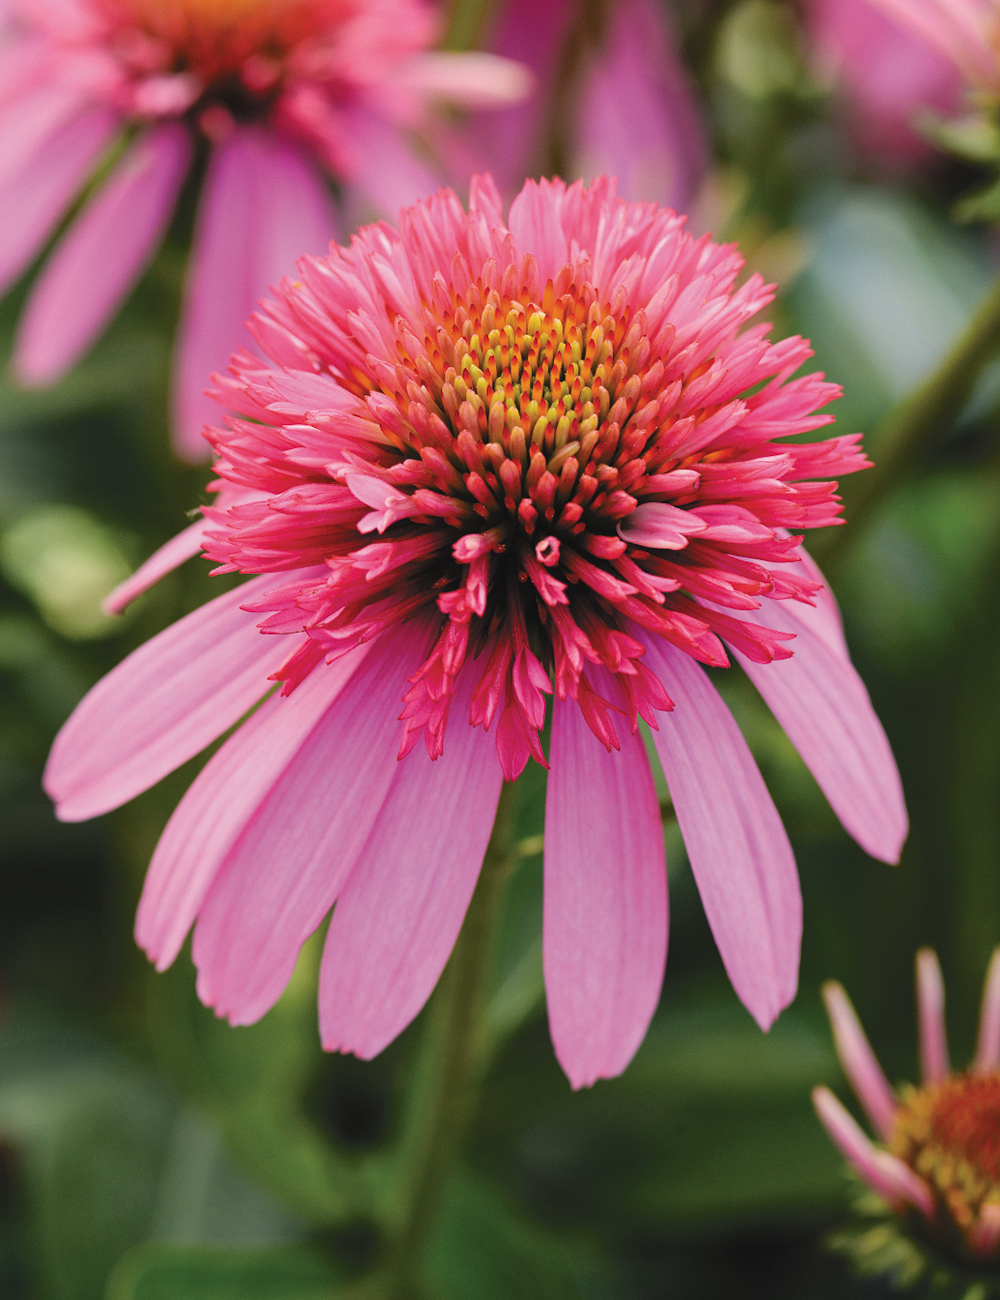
930, 1017
988, 1046
637, 119
824, 709
220, 802
32, 202
263, 205
886, 1174
162, 705
101, 255
398, 916
661, 526
286, 869
473, 80
170, 556
383, 167
604, 938
739, 852
866, 1077
535, 223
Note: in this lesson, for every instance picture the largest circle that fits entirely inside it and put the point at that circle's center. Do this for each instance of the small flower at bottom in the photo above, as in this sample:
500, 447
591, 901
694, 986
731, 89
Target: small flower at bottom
493, 461
936, 1170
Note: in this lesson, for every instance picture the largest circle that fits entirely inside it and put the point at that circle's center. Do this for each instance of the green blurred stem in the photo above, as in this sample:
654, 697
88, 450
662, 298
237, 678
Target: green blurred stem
443, 1099
913, 426
465, 22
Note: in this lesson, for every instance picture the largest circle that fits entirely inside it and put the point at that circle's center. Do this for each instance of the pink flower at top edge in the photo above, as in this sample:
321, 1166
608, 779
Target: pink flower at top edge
492, 461
283, 93
627, 109
889, 73
965, 31
939, 1152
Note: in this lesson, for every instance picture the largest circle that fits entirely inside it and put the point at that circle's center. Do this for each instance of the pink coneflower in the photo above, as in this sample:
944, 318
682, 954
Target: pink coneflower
965, 31
494, 462
282, 92
939, 1158
889, 72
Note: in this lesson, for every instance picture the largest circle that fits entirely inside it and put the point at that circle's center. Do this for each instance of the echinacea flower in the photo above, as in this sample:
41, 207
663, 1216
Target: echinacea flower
890, 75
494, 461
280, 93
937, 1164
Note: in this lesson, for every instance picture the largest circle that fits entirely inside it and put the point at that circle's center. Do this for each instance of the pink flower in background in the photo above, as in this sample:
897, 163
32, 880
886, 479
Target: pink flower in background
889, 72
493, 462
283, 92
619, 99
940, 1156
965, 31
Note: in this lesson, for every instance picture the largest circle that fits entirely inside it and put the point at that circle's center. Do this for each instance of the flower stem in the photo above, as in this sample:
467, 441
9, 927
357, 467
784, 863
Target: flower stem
442, 1101
913, 426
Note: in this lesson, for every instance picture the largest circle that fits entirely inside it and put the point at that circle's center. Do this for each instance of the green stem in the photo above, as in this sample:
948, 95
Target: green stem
443, 1099
912, 427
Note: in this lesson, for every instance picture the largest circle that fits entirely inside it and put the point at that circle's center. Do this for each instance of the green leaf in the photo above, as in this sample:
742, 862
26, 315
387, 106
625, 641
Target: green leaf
482, 1250
169, 1273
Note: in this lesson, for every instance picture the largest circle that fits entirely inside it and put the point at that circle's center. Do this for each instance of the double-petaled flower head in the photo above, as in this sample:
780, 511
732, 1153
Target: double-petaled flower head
938, 1162
282, 93
494, 461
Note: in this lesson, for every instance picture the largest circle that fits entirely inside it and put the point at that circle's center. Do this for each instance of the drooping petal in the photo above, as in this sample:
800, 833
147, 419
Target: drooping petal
605, 923
988, 1046
387, 172
33, 200
866, 1076
885, 1173
170, 556
102, 254
292, 859
220, 802
162, 705
262, 206
400, 912
824, 709
739, 852
637, 119
930, 1017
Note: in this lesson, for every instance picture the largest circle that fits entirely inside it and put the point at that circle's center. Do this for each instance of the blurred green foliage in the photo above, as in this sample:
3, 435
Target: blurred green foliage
150, 1152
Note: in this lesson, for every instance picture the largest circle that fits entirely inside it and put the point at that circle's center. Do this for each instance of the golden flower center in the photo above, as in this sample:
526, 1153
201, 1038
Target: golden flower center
949, 1132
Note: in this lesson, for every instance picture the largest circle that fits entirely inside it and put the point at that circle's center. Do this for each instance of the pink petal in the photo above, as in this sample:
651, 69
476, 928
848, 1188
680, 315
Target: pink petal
34, 199
262, 206
637, 118
220, 802
823, 706
535, 224
400, 912
860, 1064
102, 254
659, 525
474, 79
384, 168
605, 925
31, 119
988, 1047
886, 1174
162, 705
930, 1016
737, 846
284, 872
170, 556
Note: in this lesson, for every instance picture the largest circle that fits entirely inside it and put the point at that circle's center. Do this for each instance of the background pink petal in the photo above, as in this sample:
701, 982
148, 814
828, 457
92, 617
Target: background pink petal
824, 709
605, 924
930, 1017
866, 1076
101, 255
219, 803
263, 206
739, 852
400, 912
284, 873
383, 167
637, 118
162, 705
33, 200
